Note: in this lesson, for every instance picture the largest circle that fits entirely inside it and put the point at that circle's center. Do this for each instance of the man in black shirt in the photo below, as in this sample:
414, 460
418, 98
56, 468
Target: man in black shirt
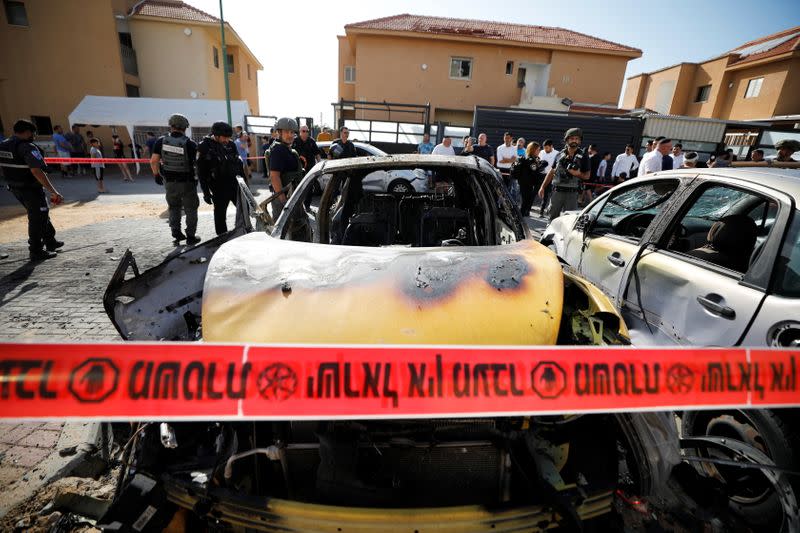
484, 150
24, 170
173, 160
218, 164
309, 152
342, 147
285, 165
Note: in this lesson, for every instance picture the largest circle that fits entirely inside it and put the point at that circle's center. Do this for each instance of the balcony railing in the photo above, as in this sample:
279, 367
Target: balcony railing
129, 64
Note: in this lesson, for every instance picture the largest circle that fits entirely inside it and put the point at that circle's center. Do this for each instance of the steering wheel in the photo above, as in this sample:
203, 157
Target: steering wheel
452, 242
634, 224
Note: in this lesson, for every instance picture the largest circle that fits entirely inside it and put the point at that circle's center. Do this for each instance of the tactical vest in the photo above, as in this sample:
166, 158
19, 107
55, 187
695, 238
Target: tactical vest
291, 175
174, 159
15, 170
562, 177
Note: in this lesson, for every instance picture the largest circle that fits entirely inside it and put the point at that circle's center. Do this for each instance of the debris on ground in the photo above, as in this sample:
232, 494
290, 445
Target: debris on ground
69, 504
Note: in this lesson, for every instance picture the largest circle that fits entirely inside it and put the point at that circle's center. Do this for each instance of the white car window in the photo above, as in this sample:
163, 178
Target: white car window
724, 226
629, 211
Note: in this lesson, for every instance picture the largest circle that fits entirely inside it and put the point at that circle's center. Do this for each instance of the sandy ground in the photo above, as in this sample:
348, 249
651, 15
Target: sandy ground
14, 222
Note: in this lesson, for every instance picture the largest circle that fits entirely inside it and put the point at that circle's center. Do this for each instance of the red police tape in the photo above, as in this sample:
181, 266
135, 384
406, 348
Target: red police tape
202, 381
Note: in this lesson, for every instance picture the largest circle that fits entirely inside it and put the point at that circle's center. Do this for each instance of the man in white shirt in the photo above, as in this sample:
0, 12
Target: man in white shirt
677, 156
549, 155
626, 162
506, 155
654, 161
444, 148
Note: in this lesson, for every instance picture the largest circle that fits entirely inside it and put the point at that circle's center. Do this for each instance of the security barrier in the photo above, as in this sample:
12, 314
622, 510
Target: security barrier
200, 381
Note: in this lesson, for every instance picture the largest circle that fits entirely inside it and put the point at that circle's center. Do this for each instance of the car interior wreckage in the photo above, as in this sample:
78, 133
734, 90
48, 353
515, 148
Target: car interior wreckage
404, 268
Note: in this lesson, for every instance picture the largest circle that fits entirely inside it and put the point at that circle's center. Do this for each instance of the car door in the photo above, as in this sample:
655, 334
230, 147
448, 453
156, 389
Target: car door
698, 284
616, 228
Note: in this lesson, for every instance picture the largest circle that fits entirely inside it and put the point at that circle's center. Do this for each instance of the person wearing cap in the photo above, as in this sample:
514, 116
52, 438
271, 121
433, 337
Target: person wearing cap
173, 165
24, 170
691, 160
570, 168
342, 147
785, 148
218, 164
657, 160
285, 165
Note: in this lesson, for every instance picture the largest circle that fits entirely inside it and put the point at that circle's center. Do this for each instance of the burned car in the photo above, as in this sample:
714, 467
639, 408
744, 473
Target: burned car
452, 266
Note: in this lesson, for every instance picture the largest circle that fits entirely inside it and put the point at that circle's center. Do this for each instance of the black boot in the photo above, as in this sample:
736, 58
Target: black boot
41, 255
192, 240
178, 236
52, 246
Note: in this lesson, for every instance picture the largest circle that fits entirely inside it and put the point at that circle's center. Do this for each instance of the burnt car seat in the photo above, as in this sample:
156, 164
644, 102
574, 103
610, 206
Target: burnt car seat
730, 243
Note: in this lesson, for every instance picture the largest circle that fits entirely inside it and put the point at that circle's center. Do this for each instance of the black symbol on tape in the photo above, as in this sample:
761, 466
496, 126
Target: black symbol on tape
94, 380
548, 380
680, 379
277, 382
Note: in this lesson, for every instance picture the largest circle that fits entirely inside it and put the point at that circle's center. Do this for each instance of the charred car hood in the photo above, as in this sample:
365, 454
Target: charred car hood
264, 290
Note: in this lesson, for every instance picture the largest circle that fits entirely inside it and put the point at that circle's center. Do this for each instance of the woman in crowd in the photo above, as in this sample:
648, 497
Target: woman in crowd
119, 153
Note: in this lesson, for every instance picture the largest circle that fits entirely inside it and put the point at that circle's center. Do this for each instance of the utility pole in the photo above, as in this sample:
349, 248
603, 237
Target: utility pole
225, 63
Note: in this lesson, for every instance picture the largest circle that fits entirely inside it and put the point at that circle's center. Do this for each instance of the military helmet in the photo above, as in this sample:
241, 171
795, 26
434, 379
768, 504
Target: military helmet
573, 132
178, 121
221, 129
286, 123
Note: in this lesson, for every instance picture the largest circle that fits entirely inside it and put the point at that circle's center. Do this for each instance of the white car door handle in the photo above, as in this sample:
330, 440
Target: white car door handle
716, 307
616, 260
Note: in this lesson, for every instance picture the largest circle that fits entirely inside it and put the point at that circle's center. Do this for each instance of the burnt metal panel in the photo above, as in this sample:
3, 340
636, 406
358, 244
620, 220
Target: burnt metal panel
611, 134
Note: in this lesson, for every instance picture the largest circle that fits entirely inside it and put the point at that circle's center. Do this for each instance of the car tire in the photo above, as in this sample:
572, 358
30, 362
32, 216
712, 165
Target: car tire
766, 429
400, 186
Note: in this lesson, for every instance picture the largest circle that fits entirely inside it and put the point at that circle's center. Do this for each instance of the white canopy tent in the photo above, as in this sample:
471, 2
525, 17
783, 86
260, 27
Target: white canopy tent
130, 112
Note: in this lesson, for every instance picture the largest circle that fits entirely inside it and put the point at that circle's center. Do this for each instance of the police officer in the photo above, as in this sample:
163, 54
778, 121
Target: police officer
173, 161
570, 168
785, 148
218, 164
285, 165
24, 169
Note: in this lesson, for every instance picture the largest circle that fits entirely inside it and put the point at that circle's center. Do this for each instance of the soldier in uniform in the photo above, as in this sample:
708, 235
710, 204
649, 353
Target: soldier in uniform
285, 165
218, 164
24, 169
173, 161
570, 168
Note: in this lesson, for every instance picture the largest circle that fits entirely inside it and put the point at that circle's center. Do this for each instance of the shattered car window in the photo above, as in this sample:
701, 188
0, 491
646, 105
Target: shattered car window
629, 212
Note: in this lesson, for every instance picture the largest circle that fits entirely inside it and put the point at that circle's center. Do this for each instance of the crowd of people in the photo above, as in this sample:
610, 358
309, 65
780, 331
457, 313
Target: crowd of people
532, 174
558, 180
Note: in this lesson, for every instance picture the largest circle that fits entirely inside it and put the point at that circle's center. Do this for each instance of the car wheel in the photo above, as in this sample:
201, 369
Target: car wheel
751, 495
400, 186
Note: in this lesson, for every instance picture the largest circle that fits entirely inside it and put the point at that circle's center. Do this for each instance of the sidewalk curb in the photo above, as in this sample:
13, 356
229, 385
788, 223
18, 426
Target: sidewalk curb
85, 437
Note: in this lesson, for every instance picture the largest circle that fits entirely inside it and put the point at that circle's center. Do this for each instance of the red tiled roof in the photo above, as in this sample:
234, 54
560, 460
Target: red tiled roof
173, 9
482, 29
789, 45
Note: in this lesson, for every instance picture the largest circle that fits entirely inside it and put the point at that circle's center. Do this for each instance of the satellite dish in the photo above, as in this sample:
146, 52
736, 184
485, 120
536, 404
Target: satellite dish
187, 31
193, 94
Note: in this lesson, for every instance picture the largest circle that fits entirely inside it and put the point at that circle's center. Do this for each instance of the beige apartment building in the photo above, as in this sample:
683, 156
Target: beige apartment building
759, 80
455, 64
57, 52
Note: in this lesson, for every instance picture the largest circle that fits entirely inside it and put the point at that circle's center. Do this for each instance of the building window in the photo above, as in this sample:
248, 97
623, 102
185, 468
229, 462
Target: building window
703, 93
248, 71
509, 68
349, 74
753, 87
230, 64
43, 125
131, 91
125, 39
215, 56
15, 13
460, 68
